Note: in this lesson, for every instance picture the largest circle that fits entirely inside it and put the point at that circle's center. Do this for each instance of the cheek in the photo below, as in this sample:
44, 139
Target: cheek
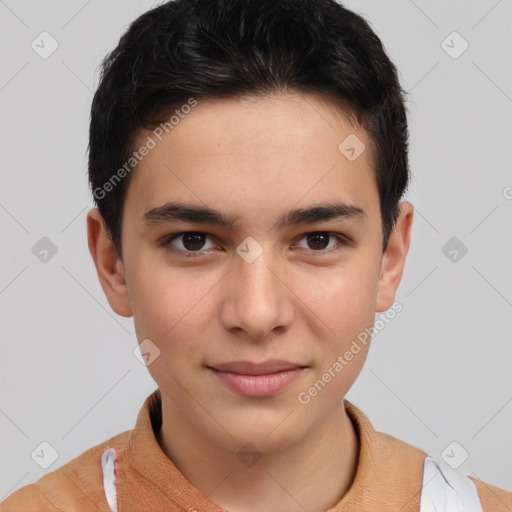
346, 304
168, 313
172, 305
345, 300
169, 306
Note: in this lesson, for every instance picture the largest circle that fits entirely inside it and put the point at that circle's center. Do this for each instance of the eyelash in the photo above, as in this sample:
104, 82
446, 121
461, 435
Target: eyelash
343, 241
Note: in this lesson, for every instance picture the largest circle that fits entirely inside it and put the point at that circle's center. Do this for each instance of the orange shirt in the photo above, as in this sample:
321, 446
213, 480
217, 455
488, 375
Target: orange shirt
388, 477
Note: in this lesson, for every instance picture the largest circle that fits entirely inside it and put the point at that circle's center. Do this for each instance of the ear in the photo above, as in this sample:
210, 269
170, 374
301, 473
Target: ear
109, 266
393, 259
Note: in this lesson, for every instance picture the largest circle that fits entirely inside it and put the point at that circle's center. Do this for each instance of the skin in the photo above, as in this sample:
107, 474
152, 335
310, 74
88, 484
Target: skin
255, 158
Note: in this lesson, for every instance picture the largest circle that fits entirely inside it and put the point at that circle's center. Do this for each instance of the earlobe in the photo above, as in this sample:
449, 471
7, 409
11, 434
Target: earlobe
109, 267
393, 259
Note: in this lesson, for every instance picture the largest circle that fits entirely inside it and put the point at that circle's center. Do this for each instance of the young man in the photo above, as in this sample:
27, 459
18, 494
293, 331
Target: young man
248, 159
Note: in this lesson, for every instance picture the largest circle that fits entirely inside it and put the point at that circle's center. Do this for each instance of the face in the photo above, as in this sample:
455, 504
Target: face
249, 314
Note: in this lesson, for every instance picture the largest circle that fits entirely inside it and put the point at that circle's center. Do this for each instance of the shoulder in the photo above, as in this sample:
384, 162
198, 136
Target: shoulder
445, 488
398, 468
75, 486
493, 498
389, 470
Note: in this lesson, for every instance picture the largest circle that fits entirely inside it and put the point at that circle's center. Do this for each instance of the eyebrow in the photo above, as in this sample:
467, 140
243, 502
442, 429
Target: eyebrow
173, 211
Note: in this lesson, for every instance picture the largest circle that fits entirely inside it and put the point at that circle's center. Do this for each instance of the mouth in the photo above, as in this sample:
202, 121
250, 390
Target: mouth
257, 379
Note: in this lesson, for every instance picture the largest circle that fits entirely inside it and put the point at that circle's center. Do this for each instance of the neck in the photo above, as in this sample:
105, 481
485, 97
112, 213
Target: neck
313, 474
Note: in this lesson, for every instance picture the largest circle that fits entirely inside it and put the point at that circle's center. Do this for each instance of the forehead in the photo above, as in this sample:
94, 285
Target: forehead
253, 155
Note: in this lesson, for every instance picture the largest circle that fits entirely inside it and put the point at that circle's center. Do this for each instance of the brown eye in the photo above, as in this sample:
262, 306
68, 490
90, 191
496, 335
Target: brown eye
318, 241
323, 242
192, 243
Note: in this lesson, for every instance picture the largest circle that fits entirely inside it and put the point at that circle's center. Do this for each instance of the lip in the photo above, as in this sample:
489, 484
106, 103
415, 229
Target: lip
250, 368
257, 379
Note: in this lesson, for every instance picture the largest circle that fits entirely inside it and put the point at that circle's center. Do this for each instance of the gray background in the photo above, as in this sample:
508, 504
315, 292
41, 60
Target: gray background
439, 372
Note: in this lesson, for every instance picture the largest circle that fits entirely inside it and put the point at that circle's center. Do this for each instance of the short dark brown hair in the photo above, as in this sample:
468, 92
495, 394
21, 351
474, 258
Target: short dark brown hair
203, 49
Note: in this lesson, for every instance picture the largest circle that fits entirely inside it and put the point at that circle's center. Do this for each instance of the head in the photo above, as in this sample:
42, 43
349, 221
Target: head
280, 126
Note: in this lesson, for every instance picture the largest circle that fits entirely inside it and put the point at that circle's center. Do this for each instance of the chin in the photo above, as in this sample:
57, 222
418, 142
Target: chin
268, 432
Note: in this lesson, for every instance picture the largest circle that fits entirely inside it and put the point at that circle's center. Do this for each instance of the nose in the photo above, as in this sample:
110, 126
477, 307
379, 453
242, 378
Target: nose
257, 299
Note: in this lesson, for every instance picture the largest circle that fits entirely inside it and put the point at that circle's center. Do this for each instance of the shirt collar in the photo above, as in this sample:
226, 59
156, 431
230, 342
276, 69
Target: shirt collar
389, 471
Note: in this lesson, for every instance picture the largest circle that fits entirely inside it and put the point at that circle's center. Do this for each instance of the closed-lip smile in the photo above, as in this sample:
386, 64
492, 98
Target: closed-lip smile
262, 379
